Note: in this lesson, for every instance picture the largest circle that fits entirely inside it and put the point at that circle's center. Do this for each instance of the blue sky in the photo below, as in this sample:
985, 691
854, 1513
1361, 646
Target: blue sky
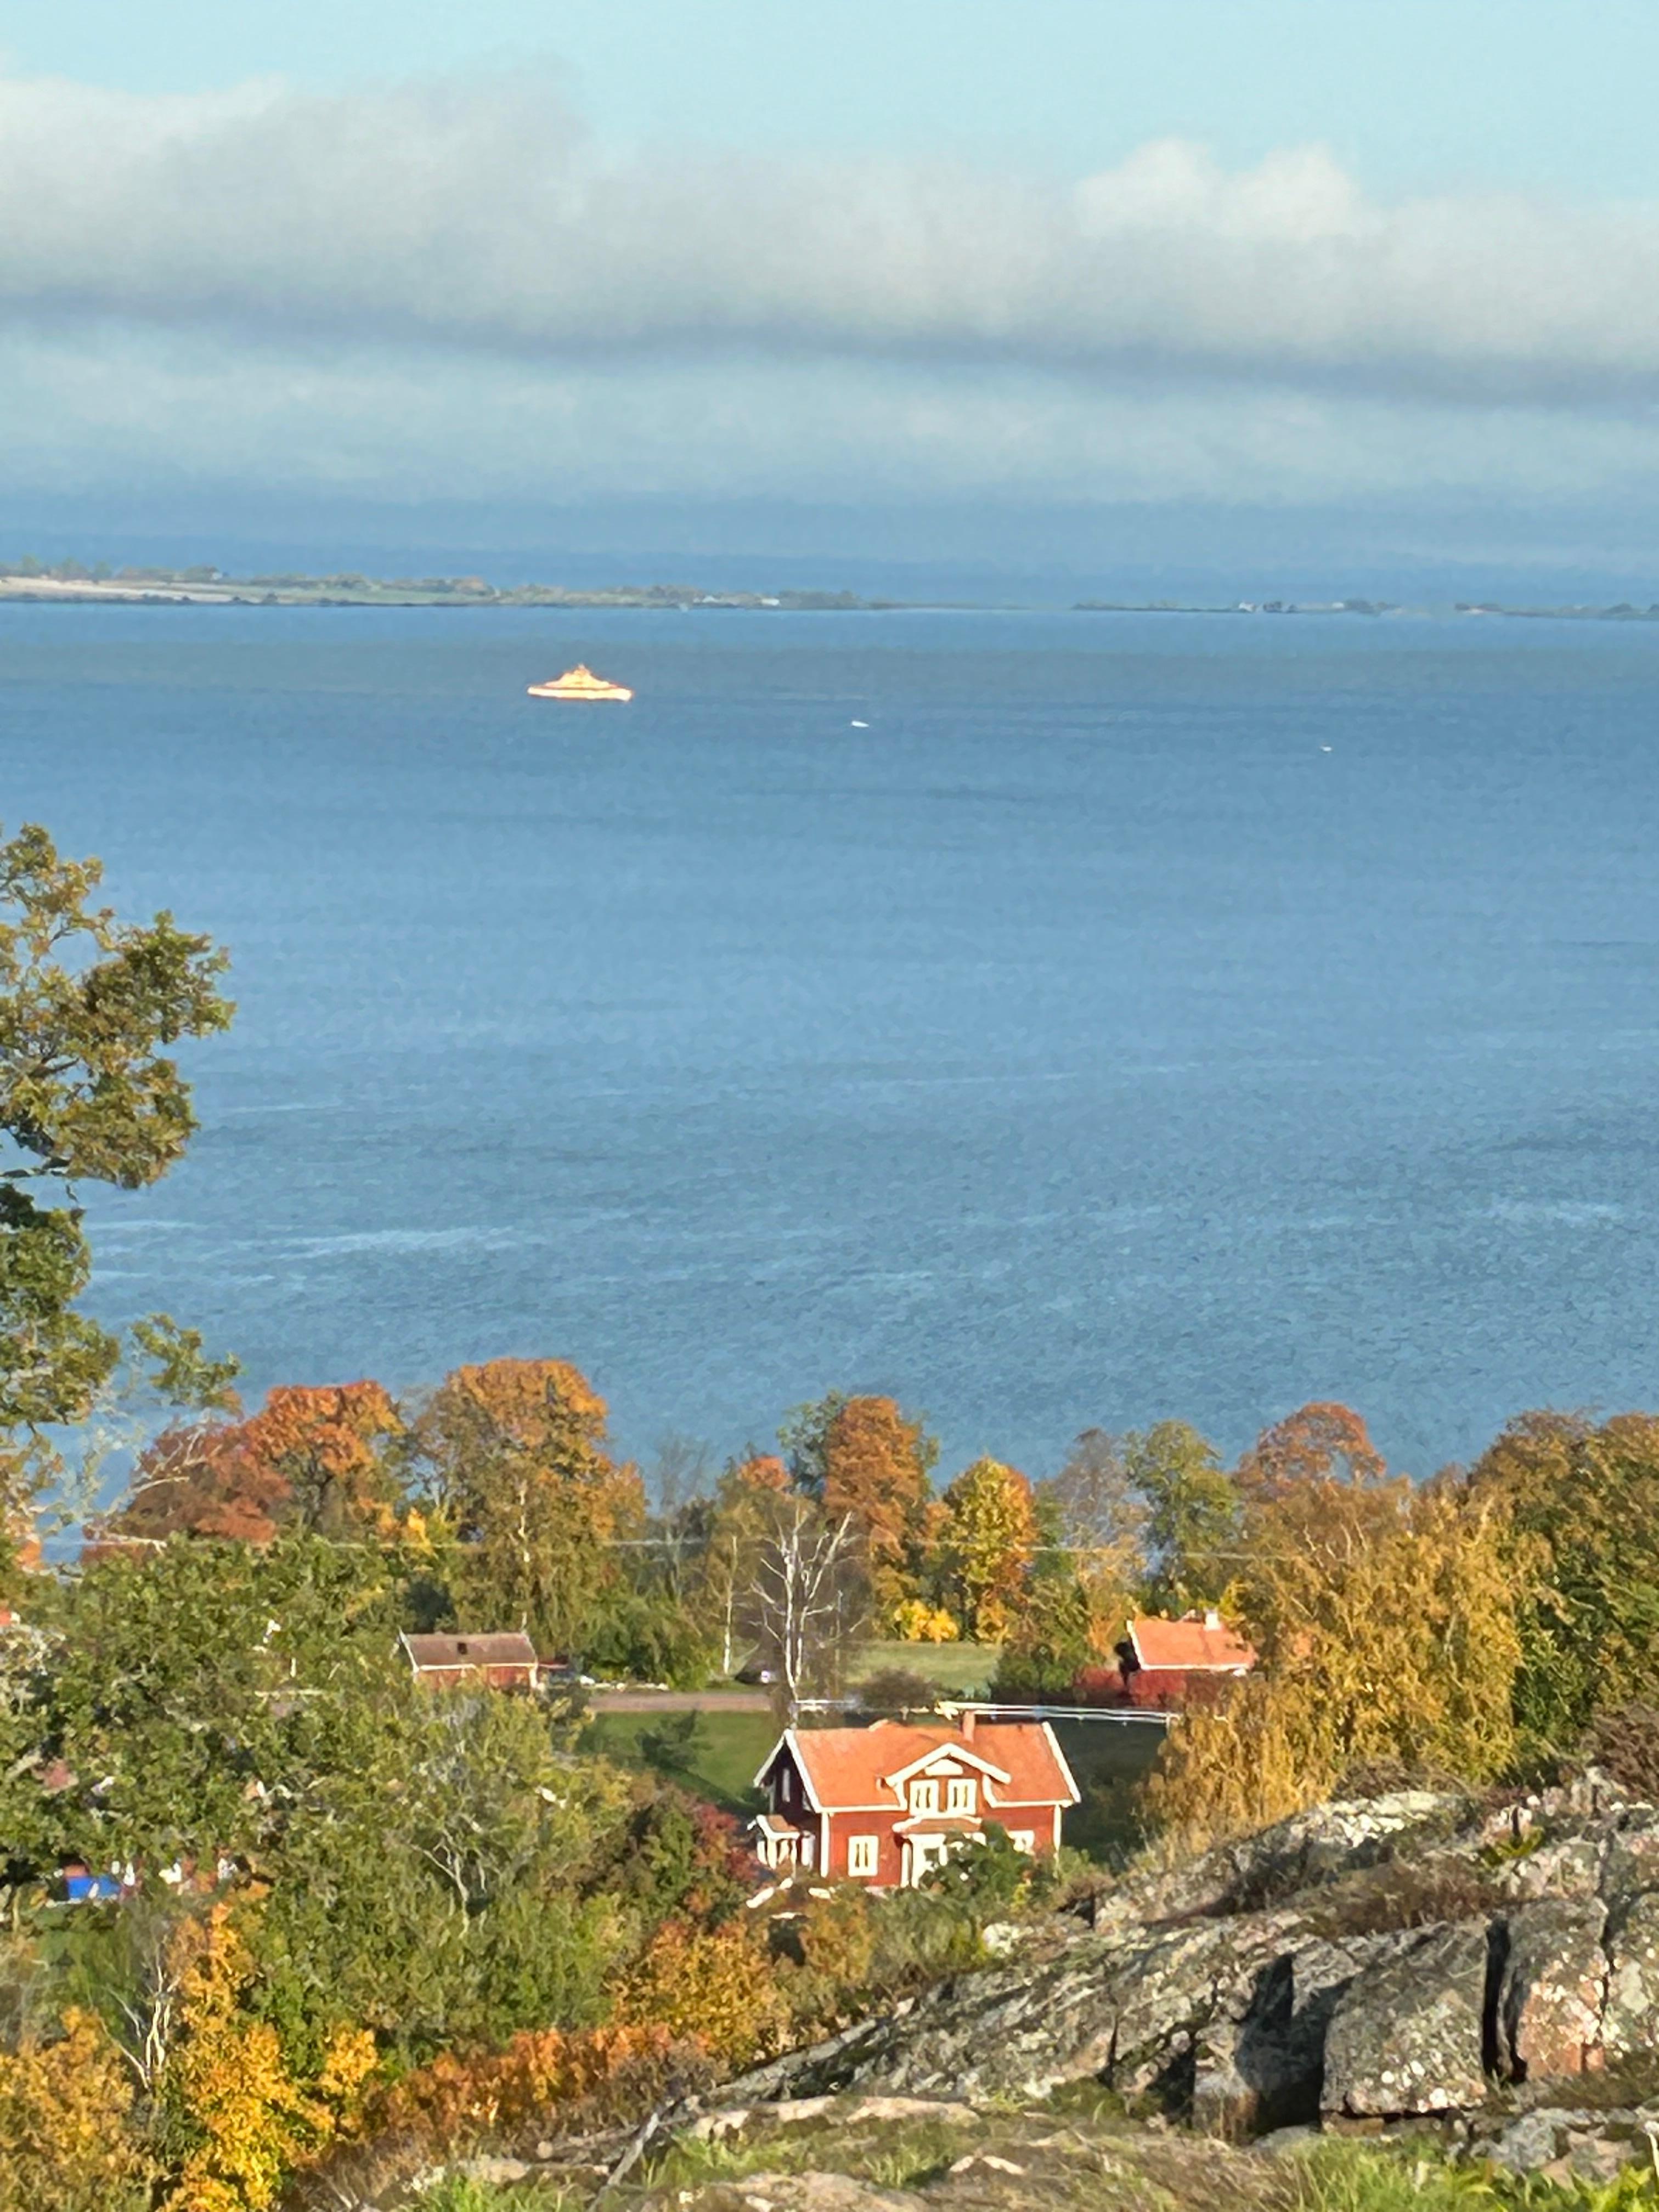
1374, 263
1413, 93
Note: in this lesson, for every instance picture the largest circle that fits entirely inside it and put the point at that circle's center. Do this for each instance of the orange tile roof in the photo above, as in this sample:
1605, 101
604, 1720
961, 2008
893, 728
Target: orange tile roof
1198, 1644
847, 1768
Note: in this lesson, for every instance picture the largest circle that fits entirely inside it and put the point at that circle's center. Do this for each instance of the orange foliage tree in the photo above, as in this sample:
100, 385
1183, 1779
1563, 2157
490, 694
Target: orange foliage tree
602, 2073
1319, 1443
875, 1472
516, 1464
312, 1457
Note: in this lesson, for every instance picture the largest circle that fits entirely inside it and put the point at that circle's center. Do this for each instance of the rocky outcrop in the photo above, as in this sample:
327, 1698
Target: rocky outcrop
1367, 1962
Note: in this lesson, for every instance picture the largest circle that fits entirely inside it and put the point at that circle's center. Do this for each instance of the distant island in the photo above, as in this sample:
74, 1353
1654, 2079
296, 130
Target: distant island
75, 582
72, 581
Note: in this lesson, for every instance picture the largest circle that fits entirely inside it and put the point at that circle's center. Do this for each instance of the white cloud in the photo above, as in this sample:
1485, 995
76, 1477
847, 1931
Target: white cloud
444, 290
479, 216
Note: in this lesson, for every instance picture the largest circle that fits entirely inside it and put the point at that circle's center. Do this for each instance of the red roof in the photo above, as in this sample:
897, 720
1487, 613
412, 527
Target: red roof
1201, 1644
859, 1769
440, 1654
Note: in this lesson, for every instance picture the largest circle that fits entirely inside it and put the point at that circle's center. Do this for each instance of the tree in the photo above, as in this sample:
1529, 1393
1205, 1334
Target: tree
515, 1462
807, 1599
311, 1458
1099, 1515
1583, 1504
728, 1560
875, 1468
1192, 1515
988, 1542
86, 1095
1385, 1619
1319, 1443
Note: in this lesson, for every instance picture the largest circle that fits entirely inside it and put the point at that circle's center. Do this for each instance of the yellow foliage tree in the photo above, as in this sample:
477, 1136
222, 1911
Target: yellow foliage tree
1385, 1619
248, 2122
67, 2141
604, 2072
718, 1988
989, 1538
915, 1621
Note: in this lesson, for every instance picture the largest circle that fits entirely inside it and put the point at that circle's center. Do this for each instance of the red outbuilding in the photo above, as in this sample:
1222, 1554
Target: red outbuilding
502, 1661
886, 1803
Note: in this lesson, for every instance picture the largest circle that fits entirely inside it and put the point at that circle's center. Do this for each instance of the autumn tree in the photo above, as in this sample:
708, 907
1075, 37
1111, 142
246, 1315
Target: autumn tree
1099, 1513
875, 1468
515, 1464
1384, 1616
311, 1458
1320, 1443
722, 1580
87, 1094
1583, 1503
1191, 1530
986, 1546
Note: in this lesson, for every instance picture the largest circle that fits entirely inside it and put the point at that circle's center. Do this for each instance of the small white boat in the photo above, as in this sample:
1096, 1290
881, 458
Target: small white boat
579, 683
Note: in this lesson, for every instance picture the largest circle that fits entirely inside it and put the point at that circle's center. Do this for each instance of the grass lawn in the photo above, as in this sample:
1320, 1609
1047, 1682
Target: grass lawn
730, 1747
1110, 1759
956, 1667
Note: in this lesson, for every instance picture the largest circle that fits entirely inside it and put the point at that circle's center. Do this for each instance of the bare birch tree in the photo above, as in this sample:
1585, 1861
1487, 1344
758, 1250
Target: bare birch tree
808, 1597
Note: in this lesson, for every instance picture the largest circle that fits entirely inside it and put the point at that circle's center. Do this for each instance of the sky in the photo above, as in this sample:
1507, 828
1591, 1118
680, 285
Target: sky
1082, 284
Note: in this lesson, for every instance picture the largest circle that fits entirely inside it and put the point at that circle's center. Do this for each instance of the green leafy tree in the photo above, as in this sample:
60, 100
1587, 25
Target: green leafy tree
1583, 1504
88, 1094
1192, 1515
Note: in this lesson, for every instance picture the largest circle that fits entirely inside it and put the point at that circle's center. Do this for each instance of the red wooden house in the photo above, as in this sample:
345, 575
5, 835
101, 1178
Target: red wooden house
884, 1804
1163, 1664
502, 1661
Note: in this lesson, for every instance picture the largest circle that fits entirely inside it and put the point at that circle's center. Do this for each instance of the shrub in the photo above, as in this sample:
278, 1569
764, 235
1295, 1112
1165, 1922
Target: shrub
718, 1989
66, 2139
897, 1690
915, 1621
600, 2074
1625, 1742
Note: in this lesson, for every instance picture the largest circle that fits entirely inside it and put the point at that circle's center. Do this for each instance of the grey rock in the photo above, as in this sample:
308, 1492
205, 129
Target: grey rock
1629, 2019
1406, 2033
1553, 1989
1529, 2143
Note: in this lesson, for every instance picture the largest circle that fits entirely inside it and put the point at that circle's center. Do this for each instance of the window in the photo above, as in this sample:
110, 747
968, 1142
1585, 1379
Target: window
959, 1796
924, 1796
863, 1853
1023, 1841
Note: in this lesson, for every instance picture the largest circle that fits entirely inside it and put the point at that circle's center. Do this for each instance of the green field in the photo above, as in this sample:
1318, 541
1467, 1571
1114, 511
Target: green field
730, 1748
1110, 1760
958, 1667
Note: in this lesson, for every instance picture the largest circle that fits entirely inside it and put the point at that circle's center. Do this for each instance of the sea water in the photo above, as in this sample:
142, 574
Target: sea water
1140, 1016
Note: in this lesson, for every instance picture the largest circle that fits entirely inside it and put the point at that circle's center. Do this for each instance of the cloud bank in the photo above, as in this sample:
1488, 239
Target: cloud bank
481, 218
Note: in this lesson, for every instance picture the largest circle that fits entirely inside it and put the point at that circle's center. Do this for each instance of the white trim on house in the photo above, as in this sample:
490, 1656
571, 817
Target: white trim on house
1070, 1778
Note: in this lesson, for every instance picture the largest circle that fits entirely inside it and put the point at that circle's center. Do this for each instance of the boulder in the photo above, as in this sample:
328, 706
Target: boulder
1630, 2017
1405, 2035
1262, 2066
1552, 1990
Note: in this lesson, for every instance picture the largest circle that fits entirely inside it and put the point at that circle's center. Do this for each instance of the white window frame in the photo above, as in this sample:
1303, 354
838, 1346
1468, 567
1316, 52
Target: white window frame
863, 1857
924, 1796
1023, 1840
959, 1794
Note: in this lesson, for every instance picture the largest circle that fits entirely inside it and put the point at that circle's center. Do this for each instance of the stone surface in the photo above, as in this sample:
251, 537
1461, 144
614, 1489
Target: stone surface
1551, 1989
1631, 2022
1405, 2035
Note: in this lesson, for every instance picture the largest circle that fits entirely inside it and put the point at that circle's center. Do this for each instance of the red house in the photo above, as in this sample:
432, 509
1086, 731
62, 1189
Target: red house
1162, 1661
505, 1660
884, 1804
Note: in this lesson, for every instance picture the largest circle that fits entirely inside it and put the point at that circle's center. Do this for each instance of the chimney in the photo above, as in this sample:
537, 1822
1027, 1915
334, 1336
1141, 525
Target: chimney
968, 1720
1212, 1617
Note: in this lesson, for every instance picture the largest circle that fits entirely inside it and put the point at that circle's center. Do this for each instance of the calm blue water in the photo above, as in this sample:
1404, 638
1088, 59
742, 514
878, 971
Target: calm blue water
1079, 1043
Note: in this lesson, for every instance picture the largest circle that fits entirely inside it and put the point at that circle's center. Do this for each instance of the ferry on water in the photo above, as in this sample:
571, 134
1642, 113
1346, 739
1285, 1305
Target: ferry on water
579, 683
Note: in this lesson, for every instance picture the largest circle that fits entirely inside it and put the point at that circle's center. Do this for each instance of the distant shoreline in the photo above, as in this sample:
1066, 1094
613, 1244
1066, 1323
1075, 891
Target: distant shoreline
212, 588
